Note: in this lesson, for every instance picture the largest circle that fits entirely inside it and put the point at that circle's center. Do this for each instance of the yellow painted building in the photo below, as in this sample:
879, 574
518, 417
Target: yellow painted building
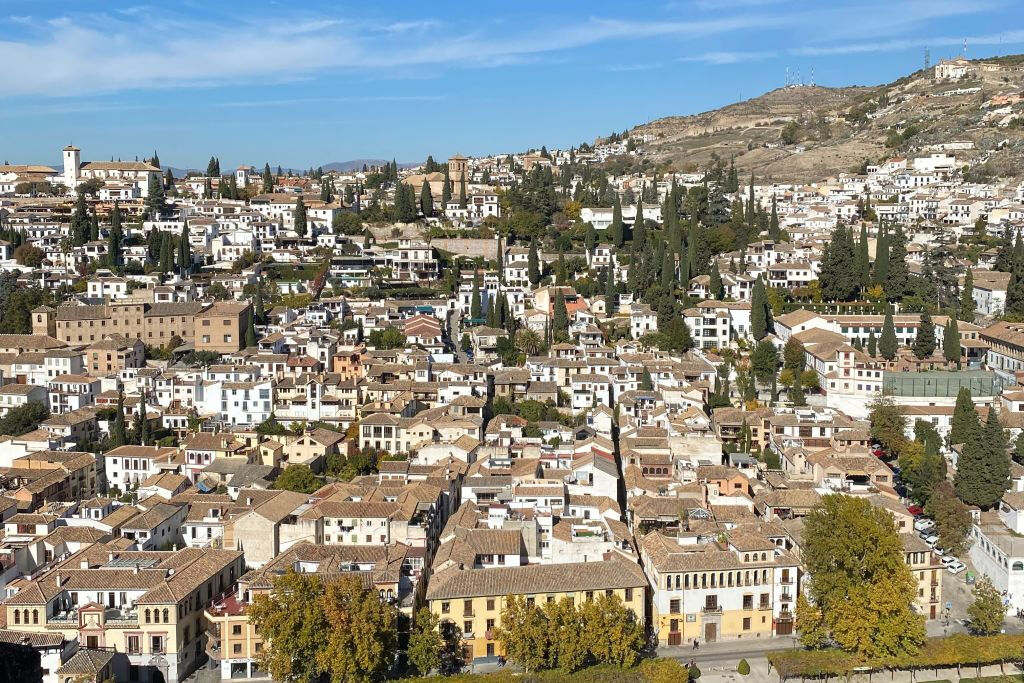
734, 585
233, 642
473, 599
146, 604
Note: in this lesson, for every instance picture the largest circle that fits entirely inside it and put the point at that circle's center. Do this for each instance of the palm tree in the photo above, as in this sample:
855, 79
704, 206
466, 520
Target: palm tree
529, 341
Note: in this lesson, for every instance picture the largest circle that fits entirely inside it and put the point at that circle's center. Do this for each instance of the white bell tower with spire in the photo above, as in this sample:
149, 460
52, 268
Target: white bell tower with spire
72, 164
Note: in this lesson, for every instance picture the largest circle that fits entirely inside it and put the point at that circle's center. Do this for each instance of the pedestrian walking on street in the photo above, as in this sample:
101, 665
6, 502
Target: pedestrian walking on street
695, 644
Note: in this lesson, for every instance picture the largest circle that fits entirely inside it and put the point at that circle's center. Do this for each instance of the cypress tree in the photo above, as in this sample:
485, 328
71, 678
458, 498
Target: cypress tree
951, 342
184, 250
250, 331
872, 344
142, 424
839, 278
560, 319
475, 309
590, 238
426, 200
898, 278
166, 254
863, 258
668, 270
533, 263
639, 228
80, 222
300, 217
773, 223
155, 204
716, 282
924, 342
983, 470
759, 313
888, 344
966, 311
462, 191
94, 227
882, 257
118, 432
446, 189
1015, 291
611, 296
114, 248
964, 426
691, 256
268, 179
616, 233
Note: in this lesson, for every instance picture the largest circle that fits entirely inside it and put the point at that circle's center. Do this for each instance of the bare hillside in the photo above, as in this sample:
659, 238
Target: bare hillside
806, 133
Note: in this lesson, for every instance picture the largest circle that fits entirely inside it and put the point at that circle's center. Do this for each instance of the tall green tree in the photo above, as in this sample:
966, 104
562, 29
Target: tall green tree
475, 304
924, 342
446, 189
293, 625
616, 231
964, 426
774, 232
533, 264
966, 310
983, 469
839, 278
716, 282
611, 295
860, 580
300, 221
888, 344
988, 610
268, 179
155, 201
760, 313
951, 341
426, 200
560, 319
184, 249
119, 430
898, 277
872, 344
863, 258
882, 256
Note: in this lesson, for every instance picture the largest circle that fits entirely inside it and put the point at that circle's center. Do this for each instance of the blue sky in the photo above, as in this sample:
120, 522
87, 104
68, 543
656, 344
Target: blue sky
308, 83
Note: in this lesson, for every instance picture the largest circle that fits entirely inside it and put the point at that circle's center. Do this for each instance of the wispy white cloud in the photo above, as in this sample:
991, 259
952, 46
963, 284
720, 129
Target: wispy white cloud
1013, 37
88, 54
729, 57
355, 99
634, 67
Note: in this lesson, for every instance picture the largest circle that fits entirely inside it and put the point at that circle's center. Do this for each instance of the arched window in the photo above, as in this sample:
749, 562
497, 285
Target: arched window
35, 616
156, 616
17, 617
1018, 566
147, 616
24, 615
166, 620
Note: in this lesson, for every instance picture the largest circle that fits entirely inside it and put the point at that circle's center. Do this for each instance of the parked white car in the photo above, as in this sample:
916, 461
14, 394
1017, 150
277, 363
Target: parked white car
948, 560
924, 524
931, 540
956, 567
938, 551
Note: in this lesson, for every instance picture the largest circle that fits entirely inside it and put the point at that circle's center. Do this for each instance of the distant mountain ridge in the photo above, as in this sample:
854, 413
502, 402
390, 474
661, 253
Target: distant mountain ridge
357, 164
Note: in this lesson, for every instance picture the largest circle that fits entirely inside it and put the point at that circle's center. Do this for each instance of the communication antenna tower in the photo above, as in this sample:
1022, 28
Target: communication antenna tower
927, 58
812, 76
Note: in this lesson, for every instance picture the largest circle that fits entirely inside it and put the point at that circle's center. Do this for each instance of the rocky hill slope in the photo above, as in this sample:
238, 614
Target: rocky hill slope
807, 133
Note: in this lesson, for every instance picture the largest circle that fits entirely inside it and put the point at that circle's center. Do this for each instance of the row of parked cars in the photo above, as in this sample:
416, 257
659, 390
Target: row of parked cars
925, 528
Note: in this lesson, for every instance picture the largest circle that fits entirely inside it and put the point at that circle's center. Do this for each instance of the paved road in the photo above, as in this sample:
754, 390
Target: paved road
455, 334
